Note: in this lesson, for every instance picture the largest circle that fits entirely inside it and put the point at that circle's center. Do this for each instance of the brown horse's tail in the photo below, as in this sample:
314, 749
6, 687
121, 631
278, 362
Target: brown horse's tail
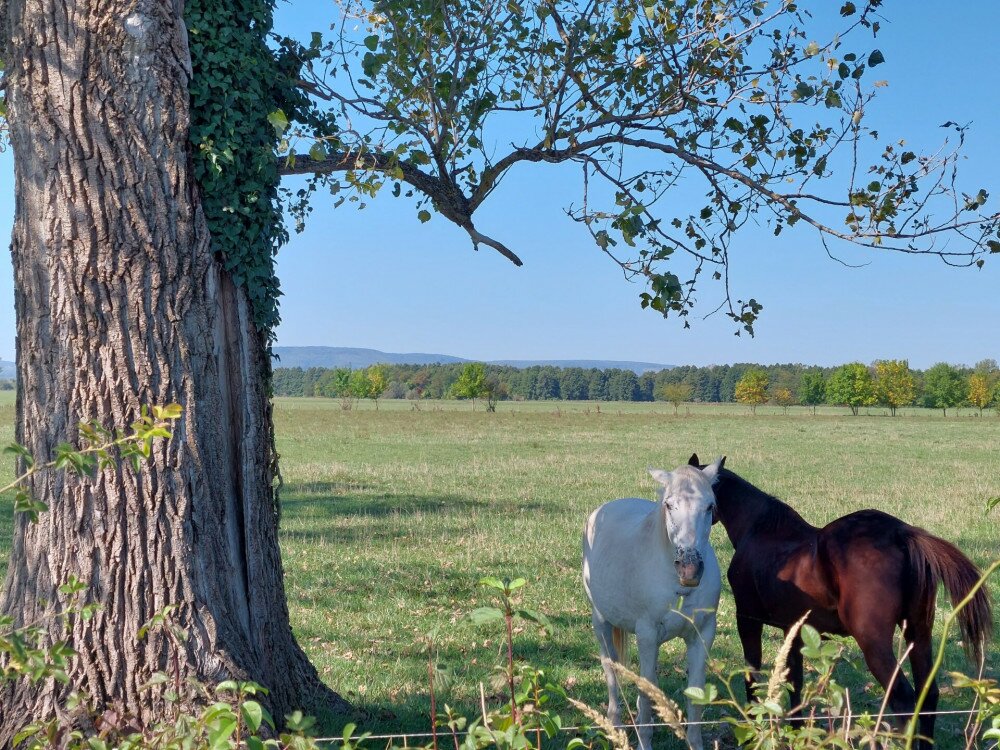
934, 560
619, 640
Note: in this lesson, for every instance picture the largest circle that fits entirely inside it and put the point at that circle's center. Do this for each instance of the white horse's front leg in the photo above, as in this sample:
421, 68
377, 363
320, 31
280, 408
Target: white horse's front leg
603, 631
649, 649
698, 645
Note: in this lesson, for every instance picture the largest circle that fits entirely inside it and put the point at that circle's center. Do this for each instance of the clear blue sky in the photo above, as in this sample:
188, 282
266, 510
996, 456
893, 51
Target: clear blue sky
378, 278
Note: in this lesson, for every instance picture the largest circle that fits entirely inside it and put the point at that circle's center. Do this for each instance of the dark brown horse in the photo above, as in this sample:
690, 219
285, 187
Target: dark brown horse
861, 575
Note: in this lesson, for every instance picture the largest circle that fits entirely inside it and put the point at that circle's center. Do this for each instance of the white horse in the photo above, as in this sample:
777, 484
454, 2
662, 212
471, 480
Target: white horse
648, 569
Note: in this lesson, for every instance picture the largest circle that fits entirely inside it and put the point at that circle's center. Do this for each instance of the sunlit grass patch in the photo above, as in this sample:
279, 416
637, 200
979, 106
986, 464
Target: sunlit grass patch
390, 518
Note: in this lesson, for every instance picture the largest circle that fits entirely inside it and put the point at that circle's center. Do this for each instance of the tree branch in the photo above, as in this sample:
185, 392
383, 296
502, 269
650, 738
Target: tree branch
448, 199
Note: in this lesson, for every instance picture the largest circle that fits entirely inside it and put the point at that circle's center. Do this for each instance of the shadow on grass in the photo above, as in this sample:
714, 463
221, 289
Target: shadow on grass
337, 499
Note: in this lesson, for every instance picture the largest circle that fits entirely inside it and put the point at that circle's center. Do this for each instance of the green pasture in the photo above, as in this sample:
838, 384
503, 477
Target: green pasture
390, 518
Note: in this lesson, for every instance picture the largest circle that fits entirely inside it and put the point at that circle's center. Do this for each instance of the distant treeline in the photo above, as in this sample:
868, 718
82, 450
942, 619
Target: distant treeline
712, 384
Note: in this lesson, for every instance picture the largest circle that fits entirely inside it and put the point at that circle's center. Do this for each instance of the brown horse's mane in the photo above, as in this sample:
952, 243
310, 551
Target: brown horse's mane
750, 507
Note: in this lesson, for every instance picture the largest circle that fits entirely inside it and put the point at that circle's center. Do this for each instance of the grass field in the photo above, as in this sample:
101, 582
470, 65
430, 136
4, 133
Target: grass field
390, 518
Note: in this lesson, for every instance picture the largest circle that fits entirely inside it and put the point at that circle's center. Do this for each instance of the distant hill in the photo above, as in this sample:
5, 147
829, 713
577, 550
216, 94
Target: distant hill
339, 356
601, 364
8, 370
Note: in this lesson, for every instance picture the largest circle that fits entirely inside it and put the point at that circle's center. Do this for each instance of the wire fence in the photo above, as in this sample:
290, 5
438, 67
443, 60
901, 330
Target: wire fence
447, 734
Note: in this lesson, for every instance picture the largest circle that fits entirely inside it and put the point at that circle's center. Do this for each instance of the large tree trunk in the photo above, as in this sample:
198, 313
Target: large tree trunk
120, 302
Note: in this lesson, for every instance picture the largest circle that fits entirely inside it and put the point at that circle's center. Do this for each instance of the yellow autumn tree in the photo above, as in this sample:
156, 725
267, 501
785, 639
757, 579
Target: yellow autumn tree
752, 389
783, 397
979, 391
894, 384
376, 382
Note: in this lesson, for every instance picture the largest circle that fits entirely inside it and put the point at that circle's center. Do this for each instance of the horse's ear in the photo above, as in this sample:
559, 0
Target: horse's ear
693, 461
661, 476
712, 470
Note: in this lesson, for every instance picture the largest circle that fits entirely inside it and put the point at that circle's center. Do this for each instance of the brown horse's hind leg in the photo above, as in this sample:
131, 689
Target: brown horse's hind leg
881, 660
751, 632
921, 659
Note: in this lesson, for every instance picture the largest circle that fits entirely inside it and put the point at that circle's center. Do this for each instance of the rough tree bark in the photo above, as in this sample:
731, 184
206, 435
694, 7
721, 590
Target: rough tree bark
120, 302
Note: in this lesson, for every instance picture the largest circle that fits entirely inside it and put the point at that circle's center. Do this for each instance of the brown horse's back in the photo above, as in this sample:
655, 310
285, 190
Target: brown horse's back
867, 558
876, 560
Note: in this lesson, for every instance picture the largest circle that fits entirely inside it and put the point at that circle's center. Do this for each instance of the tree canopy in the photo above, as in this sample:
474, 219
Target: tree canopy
894, 383
752, 388
851, 385
734, 107
944, 387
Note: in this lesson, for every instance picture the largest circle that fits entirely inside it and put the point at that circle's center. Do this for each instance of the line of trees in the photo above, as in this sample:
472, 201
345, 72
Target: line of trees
888, 383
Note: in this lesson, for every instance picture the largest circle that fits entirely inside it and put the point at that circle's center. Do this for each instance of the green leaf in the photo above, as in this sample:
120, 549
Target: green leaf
168, 412
371, 42
695, 693
219, 738
16, 449
419, 157
318, 151
484, 615
278, 121
253, 714
424, 215
536, 617
875, 58
810, 636
735, 125
773, 707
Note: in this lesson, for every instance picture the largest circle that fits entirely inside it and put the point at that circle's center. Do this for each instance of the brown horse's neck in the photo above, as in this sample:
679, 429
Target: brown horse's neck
741, 507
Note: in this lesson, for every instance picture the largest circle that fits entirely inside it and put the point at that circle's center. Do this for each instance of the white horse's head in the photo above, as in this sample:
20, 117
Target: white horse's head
688, 512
